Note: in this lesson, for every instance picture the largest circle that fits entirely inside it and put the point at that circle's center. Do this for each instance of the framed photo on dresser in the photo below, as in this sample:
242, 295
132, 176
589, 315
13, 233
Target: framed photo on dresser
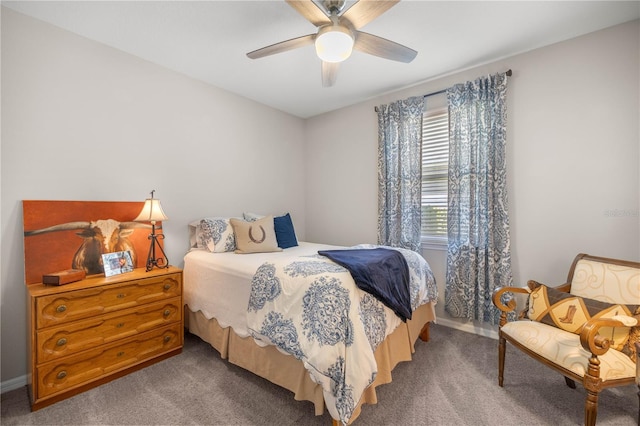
116, 263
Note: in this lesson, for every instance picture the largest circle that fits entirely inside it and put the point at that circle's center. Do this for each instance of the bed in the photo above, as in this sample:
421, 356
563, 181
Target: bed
229, 304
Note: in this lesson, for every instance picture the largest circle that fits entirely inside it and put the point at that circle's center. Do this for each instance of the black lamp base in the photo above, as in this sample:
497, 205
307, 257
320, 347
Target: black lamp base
152, 260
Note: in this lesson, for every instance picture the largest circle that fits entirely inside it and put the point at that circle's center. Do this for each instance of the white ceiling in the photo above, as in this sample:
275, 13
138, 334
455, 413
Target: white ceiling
208, 40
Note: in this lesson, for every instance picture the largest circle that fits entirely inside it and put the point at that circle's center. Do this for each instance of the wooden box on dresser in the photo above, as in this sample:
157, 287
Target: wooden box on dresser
92, 331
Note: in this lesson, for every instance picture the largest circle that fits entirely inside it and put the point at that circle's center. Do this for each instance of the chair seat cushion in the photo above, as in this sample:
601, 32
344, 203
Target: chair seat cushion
563, 348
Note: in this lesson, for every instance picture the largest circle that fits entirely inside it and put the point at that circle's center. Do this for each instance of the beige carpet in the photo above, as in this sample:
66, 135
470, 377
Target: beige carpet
451, 381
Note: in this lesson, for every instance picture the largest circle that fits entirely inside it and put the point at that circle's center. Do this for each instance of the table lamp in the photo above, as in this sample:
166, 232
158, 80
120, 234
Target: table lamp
152, 212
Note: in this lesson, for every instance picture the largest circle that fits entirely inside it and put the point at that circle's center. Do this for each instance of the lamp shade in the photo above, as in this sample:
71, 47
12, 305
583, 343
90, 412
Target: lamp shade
334, 43
151, 211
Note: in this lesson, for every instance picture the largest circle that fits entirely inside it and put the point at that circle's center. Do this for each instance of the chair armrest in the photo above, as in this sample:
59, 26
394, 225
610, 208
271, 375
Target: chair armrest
593, 342
511, 304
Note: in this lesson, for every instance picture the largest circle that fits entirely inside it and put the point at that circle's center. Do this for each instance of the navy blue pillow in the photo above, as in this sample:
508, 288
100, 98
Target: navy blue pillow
285, 233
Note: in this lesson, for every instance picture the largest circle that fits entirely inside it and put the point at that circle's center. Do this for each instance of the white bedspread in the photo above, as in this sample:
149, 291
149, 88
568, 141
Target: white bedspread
219, 284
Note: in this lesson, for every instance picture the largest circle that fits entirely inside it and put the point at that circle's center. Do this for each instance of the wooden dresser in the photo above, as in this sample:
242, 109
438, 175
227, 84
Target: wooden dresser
92, 331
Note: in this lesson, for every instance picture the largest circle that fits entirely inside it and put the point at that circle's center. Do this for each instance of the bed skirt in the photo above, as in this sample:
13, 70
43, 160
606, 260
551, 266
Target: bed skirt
289, 372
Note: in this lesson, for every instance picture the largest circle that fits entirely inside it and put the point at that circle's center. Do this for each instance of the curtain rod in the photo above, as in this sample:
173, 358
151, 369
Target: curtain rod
508, 73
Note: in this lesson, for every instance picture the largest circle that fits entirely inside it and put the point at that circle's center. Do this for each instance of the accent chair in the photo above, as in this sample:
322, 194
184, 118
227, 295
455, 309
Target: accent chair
586, 329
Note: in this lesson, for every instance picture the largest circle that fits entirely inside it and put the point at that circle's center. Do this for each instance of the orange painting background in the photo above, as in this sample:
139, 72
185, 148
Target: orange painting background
54, 251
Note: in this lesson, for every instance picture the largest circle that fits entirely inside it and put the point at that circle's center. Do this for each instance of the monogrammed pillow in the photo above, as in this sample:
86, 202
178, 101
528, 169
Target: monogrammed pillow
258, 236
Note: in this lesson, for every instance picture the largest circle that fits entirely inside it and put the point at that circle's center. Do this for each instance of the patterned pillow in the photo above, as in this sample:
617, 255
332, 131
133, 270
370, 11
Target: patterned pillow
570, 313
258, 236
215, 235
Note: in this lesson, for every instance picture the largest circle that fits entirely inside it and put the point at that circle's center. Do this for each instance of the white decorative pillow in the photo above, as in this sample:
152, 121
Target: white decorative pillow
193, 229
215, 235
258, 236
252, 217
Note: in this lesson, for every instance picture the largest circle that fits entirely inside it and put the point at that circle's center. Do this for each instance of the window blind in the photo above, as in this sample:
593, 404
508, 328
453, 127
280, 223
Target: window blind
435, 165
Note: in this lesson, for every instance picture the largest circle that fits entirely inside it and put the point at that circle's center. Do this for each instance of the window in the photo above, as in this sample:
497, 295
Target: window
435, 165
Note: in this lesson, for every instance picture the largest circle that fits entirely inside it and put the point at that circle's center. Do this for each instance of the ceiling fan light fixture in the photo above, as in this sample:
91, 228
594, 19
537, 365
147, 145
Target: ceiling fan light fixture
334, 43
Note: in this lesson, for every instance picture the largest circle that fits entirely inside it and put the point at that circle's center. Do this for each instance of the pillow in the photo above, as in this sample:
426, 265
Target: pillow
252, 217
285, 233
569, 312
215, 235
258, 236
193, 240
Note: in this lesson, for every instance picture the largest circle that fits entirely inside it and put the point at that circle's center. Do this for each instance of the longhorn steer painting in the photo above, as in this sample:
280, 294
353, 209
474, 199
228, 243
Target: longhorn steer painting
60, 235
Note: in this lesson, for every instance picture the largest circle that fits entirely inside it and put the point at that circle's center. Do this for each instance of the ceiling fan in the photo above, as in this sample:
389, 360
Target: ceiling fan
339, 33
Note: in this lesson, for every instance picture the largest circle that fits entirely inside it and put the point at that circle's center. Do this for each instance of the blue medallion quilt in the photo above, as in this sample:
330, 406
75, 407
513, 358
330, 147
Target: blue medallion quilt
311, 308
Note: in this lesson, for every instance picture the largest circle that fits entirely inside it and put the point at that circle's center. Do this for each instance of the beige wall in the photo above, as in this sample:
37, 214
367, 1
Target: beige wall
82, 121
572, 156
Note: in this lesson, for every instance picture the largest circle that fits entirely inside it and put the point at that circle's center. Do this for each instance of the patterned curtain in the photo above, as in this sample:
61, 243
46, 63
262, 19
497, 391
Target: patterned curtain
478, 253
400, 173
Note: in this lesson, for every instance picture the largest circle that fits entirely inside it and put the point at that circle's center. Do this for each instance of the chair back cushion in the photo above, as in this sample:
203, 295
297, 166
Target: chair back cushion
602, 279
608, 280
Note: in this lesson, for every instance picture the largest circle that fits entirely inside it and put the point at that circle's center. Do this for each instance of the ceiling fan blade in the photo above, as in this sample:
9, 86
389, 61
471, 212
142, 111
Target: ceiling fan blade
329, 73
283, 46
310, 11
378, 46
365, 11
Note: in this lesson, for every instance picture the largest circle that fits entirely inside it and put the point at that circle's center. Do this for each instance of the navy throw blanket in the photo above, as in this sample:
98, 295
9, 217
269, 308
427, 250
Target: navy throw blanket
382, 272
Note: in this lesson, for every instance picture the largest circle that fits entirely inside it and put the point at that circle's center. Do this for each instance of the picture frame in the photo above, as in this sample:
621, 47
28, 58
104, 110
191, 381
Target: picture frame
116, 263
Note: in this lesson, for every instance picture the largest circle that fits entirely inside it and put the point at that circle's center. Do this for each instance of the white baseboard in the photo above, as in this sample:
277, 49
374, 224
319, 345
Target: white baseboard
469, 327
13, 384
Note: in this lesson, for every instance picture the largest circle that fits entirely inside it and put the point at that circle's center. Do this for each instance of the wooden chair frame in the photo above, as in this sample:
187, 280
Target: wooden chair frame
638, 376
590, 340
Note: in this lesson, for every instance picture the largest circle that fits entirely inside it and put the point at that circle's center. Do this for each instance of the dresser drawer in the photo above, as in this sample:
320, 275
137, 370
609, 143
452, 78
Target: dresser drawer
75, 370
64, 307
71, 338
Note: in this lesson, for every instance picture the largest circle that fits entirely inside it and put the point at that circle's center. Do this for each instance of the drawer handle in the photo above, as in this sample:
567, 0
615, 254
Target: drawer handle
120, 353
167, 286
61, 308
61, 342
166, 313
167, 339
61, 375
121, 296
120, 325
